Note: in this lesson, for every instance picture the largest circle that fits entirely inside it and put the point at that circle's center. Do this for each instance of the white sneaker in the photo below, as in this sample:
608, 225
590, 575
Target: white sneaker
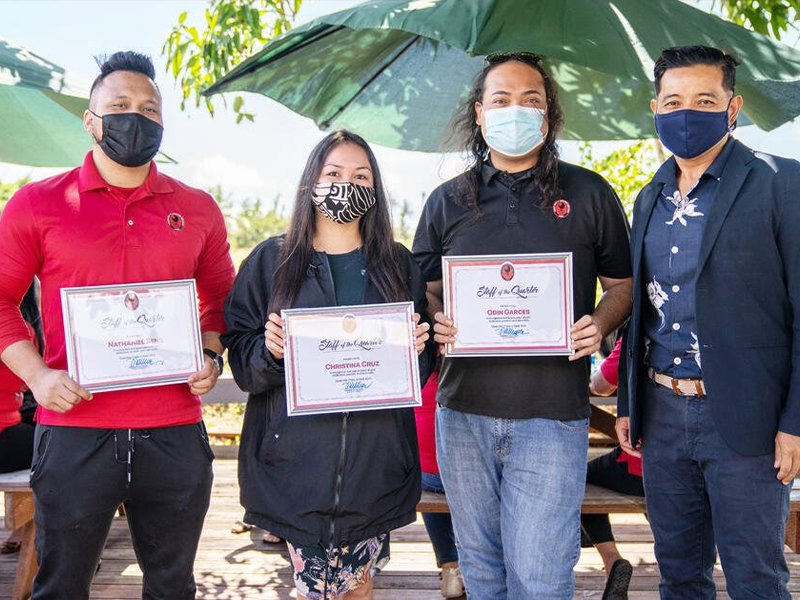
452, 584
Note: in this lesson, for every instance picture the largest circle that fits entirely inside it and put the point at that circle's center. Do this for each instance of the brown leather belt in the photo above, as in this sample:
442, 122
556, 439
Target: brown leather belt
682, 387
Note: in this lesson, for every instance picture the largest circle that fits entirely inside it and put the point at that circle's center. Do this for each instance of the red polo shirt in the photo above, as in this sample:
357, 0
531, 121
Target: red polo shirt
76, 230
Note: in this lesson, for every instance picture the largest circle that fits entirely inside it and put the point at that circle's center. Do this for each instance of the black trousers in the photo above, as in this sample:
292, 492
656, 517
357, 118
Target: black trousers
80, 476
16, 448
606, 472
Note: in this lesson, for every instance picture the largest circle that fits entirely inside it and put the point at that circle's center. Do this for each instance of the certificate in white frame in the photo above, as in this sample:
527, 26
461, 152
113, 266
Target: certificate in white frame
350, 358
132, 335
509, 305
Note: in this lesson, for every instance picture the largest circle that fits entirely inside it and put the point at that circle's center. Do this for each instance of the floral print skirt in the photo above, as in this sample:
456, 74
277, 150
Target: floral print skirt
324, 574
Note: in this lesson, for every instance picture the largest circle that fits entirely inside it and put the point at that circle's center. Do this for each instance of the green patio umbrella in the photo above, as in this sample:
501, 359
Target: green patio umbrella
41, 111
393, 70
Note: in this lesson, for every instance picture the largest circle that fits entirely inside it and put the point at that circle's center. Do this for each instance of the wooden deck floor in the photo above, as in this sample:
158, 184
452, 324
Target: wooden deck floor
241, 567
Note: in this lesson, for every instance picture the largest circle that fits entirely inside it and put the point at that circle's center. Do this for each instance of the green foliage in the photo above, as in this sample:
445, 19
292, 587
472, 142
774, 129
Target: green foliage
404, 219
770, 17
233, 30
251, 221
8, 189
627, 169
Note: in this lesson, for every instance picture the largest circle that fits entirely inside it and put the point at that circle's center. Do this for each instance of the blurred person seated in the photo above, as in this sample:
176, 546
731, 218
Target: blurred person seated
438, 525
617, 471
16, 432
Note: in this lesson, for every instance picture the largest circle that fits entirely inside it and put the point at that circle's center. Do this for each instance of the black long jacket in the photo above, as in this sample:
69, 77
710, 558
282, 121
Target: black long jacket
316, 479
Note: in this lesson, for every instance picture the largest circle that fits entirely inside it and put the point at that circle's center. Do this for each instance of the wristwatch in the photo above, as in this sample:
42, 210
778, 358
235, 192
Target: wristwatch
217, 358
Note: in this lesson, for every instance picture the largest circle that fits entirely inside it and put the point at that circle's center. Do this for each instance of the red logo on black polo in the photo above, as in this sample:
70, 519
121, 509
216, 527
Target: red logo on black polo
175, 221
507, 271
561, 208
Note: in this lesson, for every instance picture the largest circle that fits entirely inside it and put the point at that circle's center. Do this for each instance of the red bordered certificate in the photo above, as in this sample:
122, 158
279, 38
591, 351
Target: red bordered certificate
510, 305
132, 335
349, 358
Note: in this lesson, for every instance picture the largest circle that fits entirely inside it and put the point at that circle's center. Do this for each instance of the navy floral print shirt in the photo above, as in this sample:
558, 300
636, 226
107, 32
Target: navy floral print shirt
671, 253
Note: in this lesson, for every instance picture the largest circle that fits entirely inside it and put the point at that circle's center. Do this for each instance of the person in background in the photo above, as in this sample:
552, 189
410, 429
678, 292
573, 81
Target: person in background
438, 525
617, 471
16, 437
31, 310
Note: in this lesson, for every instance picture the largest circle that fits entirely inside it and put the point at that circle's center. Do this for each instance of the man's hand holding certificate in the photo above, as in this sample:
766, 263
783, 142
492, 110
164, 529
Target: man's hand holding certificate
132, 335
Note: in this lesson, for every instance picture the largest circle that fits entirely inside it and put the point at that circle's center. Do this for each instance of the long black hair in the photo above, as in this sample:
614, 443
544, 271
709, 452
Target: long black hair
466, 133
384, 262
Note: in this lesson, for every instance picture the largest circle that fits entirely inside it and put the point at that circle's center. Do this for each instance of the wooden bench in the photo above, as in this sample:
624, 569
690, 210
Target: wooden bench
599, 500
19, 514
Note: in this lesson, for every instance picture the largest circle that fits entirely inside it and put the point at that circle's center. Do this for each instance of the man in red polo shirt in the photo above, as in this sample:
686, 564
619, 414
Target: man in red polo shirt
113, 220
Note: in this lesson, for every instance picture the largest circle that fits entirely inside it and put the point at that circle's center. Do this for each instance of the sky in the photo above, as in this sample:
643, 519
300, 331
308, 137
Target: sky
249, 160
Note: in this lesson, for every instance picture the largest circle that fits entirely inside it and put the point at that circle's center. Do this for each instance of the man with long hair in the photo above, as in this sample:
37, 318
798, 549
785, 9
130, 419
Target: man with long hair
512, 431
109, 221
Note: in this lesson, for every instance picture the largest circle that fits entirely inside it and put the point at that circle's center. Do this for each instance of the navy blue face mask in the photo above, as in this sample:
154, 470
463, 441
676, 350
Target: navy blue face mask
688, 133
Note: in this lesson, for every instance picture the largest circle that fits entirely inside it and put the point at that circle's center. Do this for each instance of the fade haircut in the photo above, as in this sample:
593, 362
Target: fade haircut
689, 56
127, 60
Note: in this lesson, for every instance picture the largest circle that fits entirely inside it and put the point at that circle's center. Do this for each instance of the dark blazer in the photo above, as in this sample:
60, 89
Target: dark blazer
747, 302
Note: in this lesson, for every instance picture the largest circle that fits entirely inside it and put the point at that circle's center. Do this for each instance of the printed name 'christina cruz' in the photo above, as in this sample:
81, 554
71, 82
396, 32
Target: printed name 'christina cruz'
352, 365
493, 312
520, 291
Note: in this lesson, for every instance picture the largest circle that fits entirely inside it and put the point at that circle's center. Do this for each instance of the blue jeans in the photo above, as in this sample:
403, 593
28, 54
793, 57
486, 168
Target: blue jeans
439, 525
701, 495
515, 488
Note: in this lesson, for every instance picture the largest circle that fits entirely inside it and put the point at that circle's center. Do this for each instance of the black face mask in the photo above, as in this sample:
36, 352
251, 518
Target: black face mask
129, 139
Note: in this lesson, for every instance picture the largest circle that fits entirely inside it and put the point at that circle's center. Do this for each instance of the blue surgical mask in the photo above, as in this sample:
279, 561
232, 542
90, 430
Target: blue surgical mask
514, 130
688, 133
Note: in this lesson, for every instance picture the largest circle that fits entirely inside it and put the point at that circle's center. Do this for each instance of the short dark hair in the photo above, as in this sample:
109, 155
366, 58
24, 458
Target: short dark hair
688, 56
127, 60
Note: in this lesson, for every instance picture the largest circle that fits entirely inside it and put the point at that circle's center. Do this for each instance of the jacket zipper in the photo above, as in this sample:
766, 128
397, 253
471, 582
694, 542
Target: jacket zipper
337, 491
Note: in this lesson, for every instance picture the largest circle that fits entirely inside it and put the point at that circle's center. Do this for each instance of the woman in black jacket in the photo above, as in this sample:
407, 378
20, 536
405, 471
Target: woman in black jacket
333, 485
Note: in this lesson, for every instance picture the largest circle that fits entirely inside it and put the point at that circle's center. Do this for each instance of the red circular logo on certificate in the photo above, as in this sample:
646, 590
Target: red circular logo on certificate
507, 271
131, 301
561, 208
175, 221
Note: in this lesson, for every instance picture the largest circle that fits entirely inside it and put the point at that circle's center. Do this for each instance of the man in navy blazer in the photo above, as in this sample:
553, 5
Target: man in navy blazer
710, 364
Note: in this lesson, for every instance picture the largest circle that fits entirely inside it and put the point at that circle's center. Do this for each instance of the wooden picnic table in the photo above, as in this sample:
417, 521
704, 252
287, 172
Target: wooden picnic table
19, 514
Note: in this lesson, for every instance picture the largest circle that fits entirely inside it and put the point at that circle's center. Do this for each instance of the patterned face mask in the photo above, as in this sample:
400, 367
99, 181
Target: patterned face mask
343, 202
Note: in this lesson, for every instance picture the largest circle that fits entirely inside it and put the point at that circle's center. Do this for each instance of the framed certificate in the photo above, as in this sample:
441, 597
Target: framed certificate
349, 358
132, 335
510, 305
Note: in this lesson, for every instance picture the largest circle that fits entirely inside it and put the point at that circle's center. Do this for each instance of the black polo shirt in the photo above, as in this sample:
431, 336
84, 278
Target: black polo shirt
508, 221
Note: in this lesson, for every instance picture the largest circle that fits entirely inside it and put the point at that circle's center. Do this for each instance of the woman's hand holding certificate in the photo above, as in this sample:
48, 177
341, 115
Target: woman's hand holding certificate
347, 358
